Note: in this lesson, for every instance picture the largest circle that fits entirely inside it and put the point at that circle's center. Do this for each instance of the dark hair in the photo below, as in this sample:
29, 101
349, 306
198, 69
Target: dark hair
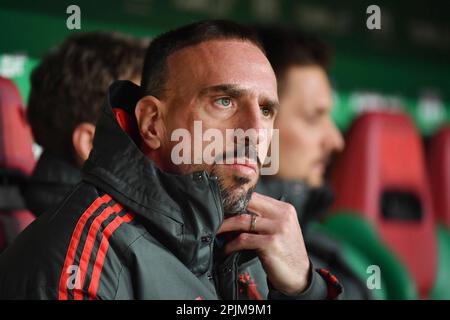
69, 85
154, 74
286, 48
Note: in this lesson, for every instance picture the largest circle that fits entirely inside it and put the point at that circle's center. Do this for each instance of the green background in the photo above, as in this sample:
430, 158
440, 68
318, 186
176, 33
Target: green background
405, 65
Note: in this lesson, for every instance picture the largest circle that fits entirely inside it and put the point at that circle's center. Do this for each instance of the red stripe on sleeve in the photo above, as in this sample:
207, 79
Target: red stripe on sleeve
89, 245
75, 239
104, 245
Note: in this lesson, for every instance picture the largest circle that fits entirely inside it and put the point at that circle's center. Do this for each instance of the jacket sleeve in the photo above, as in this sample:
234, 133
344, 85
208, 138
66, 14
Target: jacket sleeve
322, 286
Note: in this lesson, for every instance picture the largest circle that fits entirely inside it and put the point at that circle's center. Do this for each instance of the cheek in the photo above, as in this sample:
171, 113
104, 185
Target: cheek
293, 136
267, 137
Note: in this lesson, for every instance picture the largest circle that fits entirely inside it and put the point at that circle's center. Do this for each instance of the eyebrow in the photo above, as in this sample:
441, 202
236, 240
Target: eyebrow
235, 91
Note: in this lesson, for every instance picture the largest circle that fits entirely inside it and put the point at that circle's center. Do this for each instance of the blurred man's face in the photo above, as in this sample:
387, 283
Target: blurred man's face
308, 135
225, 84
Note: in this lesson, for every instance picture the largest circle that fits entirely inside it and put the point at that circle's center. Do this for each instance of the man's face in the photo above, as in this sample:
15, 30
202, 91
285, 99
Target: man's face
225, 84
308, 135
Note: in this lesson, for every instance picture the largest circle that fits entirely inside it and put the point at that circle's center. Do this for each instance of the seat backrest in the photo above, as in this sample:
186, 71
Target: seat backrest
12, 223
16, 140
381, 174
16, 162
439, 172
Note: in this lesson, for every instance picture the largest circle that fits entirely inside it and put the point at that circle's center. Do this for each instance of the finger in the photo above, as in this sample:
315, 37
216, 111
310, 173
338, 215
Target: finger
266, 206
246, 241
243, 223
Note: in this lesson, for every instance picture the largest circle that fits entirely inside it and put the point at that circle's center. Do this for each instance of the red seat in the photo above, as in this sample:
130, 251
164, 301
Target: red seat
439, 171
15, 135
16, 162
381, 175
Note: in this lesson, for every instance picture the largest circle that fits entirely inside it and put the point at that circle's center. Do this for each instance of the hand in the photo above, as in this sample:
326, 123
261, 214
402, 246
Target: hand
277, 239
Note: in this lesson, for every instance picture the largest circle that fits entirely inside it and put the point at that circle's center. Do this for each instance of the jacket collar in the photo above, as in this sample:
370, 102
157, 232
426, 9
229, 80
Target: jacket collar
52, 179
183, 212
52, 169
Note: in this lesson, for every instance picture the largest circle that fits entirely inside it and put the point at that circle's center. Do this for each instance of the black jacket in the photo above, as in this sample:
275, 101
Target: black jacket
131, 231
324, 251
52, 180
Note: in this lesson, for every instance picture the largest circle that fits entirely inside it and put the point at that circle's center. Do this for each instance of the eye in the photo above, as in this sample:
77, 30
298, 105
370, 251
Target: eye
267, 112
224, 102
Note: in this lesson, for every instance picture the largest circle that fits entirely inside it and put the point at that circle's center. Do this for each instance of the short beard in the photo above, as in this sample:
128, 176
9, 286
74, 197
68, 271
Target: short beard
233, 201
235, 204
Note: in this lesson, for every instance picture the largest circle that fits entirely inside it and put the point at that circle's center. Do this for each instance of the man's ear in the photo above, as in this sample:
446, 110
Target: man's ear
149, 118
82, 138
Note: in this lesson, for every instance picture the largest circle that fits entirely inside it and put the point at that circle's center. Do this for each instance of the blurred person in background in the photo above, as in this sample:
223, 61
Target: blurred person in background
67, 91
308, 139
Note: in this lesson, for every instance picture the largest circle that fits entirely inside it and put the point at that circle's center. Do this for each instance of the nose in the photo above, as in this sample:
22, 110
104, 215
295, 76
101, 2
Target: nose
333, 139
338, 142
252, 121
256, 130
253, 117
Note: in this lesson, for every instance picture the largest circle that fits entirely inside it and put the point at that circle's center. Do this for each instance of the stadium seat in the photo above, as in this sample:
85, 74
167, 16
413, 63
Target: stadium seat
381, 176
16, 163
439, 171
363, 248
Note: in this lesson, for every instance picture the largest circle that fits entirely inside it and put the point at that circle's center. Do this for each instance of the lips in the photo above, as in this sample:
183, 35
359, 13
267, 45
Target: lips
245, 166
321, 164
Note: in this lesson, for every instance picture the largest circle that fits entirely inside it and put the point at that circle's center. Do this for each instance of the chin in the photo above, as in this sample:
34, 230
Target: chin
235, 201
315, 182
239, 183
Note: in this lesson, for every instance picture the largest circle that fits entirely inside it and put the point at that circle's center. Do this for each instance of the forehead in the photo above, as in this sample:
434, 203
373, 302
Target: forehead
307, 79
218, 62
308, 84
